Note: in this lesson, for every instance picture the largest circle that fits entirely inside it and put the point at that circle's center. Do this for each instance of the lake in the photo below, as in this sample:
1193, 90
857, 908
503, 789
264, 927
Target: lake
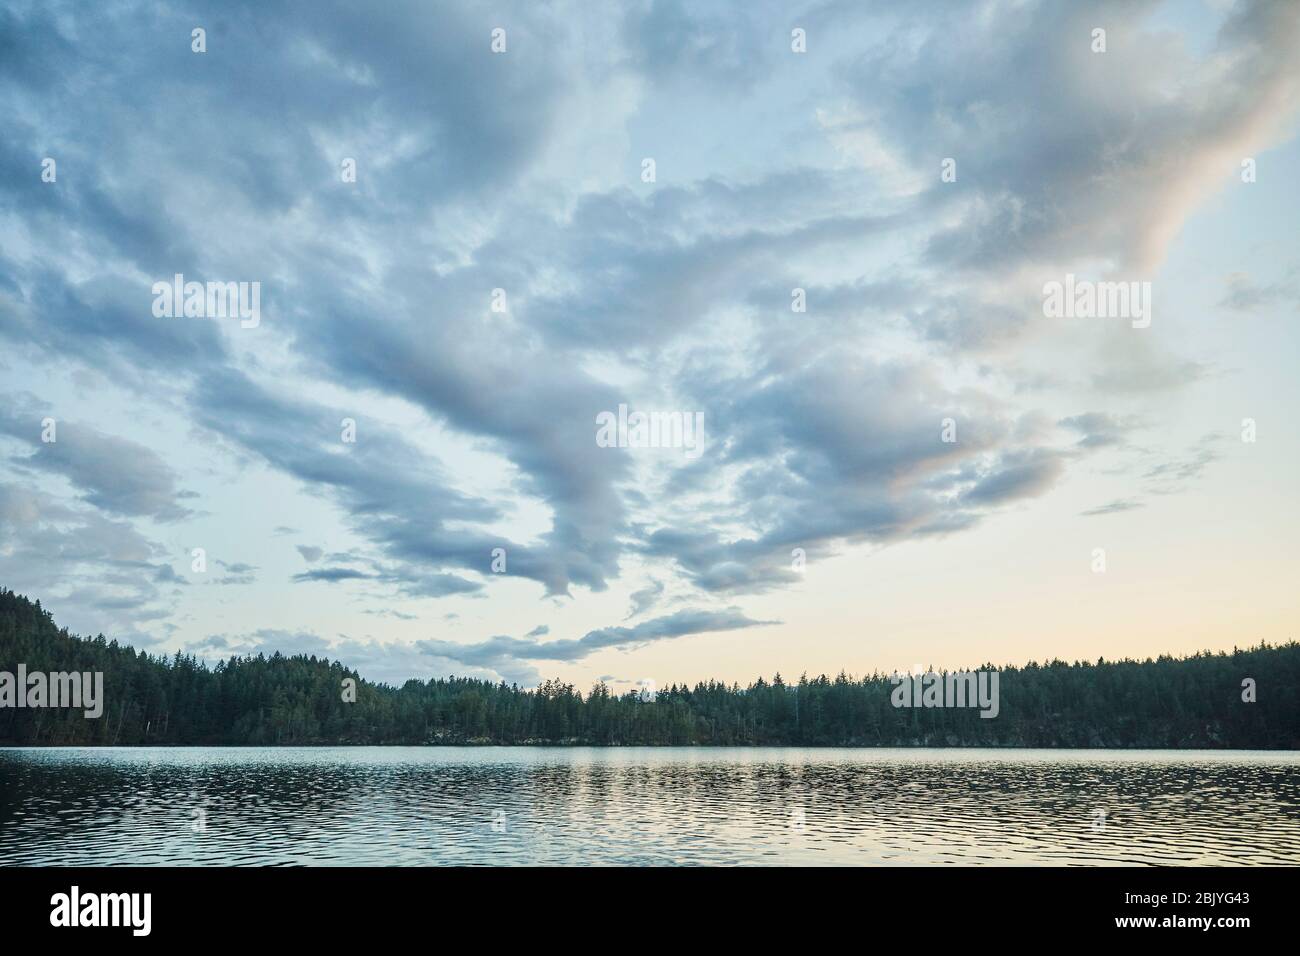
419, 806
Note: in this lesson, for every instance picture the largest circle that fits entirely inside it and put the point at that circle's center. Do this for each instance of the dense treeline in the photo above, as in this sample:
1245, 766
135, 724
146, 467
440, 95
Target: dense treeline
1189, 702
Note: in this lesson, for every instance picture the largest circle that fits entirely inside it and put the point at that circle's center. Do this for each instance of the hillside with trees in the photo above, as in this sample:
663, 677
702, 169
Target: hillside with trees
178, 700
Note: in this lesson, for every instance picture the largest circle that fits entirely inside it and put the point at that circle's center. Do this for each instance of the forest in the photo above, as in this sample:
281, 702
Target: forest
1194, 701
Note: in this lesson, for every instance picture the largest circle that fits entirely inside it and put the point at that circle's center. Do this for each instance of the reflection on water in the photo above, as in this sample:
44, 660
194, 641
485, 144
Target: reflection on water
491, 805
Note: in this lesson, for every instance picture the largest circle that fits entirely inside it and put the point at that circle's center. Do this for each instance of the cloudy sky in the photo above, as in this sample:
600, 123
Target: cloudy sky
505, 268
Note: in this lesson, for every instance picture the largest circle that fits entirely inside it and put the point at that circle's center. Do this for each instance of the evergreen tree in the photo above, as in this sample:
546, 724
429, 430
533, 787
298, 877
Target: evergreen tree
180, 700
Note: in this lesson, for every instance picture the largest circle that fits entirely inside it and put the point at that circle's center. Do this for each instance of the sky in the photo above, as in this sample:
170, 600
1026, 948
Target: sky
824, 229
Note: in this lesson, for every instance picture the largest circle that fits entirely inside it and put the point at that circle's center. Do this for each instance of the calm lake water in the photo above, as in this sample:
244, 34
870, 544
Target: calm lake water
662, 806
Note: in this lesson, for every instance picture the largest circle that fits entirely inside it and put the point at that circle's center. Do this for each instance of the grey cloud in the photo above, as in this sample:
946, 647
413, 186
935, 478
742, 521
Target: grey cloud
1017, 477
108, 323
381, 288
263, 641
504, 654
395, 494
671, 40
645, 598
1140, 374
116, 474
1246, 295
237, 573
98, 574
814, 469
1110, 172
390, 612
390, 663
1100, 429
1113, 507
330, 575
1173, 474
166, 574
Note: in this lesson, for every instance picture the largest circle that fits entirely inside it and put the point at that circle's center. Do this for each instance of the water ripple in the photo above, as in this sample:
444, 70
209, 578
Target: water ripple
652, 806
